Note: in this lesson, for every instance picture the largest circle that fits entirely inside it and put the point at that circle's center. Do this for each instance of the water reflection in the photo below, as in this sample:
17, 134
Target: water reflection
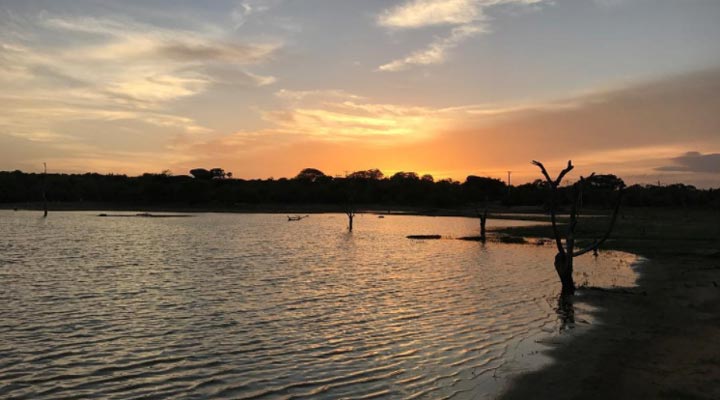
251, 306
565, 311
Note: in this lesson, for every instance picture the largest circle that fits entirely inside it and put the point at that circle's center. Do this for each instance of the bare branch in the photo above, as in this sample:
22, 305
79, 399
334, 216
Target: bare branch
595, 245
544, 171
553, 194
563, 173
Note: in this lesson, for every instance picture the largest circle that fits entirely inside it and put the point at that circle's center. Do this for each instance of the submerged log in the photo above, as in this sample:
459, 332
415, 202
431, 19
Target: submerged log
424, 237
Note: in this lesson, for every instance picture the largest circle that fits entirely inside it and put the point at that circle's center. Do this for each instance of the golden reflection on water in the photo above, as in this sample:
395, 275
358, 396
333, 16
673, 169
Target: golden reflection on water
252, 306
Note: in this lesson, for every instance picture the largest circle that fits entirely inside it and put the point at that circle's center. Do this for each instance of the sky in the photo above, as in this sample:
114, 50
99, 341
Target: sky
265, 88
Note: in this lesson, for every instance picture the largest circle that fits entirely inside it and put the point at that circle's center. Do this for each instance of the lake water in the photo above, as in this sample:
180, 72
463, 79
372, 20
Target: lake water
232, 306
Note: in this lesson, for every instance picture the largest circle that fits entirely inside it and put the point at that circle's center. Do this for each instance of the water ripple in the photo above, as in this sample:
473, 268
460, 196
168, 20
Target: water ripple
253, 307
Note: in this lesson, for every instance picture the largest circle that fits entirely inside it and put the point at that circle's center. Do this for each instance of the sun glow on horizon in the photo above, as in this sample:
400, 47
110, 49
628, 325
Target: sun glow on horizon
446, 87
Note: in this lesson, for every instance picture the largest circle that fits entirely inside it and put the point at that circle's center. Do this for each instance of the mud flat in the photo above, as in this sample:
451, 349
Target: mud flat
657, 341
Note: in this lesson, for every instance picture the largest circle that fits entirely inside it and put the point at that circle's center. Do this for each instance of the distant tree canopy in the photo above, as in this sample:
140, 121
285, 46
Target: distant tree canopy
405, 176
215, 173
201, 173
215, 186
375, 174
604, 182
311, 175
479, 188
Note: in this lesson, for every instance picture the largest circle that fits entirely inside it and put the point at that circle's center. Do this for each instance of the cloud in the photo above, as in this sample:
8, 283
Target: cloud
436, 52
232, 53
422, 13
348, 120
299, 95
694, 161
247, 8
114, 69
467, 17
627, 131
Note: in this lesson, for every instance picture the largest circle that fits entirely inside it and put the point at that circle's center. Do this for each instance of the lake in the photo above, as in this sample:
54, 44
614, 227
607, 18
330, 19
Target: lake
250, 306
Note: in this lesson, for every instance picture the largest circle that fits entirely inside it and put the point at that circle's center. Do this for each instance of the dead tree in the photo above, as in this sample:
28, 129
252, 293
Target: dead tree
44, 190
566, 251
483, 219
350, 212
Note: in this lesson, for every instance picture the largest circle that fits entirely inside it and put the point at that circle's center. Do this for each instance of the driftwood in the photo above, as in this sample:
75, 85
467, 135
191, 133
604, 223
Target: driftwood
566, 251
296, 217
424, 237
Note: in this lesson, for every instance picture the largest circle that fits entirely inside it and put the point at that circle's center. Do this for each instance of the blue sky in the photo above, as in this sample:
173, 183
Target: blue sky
447, 87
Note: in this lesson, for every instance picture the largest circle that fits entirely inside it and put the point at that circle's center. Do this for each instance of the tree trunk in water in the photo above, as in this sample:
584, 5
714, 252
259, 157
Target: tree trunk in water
483, 219
44, 191
564, 268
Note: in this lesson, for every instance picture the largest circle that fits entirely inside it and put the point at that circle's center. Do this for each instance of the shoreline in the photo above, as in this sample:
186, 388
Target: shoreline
495, 212
656, 341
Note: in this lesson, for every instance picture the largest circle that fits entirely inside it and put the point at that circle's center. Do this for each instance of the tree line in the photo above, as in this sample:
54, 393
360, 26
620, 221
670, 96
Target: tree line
214, 186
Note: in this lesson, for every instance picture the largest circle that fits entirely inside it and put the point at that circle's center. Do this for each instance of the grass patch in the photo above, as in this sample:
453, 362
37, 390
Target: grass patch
648, 231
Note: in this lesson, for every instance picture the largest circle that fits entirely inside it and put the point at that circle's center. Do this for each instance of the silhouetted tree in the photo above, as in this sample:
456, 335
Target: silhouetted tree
482, 214
609, 182
405, 176
44, 191
374, 174
566, 252
477, 188
218, 173
163, 188
201, 173
350, 212
310, 175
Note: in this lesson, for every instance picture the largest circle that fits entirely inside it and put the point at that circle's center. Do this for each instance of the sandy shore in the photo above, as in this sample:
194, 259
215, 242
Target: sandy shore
659, 341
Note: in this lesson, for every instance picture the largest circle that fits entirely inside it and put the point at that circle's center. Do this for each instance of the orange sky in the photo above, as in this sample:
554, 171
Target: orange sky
448, 87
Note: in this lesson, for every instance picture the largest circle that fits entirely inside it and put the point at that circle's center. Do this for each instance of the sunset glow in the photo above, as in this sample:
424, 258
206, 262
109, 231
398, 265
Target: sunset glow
445, 87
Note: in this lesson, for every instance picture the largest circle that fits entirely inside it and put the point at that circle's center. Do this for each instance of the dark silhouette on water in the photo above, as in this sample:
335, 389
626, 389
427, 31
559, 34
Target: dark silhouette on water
424, 237
146, 215
566, 252
350, 209
44, 191
350, 212
296, 217
483, 219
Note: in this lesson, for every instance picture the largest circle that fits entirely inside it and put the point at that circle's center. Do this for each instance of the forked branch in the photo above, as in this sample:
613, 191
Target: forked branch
553, 185
563, 173
596, 244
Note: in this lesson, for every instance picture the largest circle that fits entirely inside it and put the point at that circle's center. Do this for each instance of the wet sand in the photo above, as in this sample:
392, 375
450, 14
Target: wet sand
656, 341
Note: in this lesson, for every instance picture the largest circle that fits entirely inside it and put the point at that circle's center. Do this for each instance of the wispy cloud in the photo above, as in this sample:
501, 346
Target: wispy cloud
246, 8
467, 17
357, 121
104, 69
335, 116
297, 95
437, 51
422, 13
